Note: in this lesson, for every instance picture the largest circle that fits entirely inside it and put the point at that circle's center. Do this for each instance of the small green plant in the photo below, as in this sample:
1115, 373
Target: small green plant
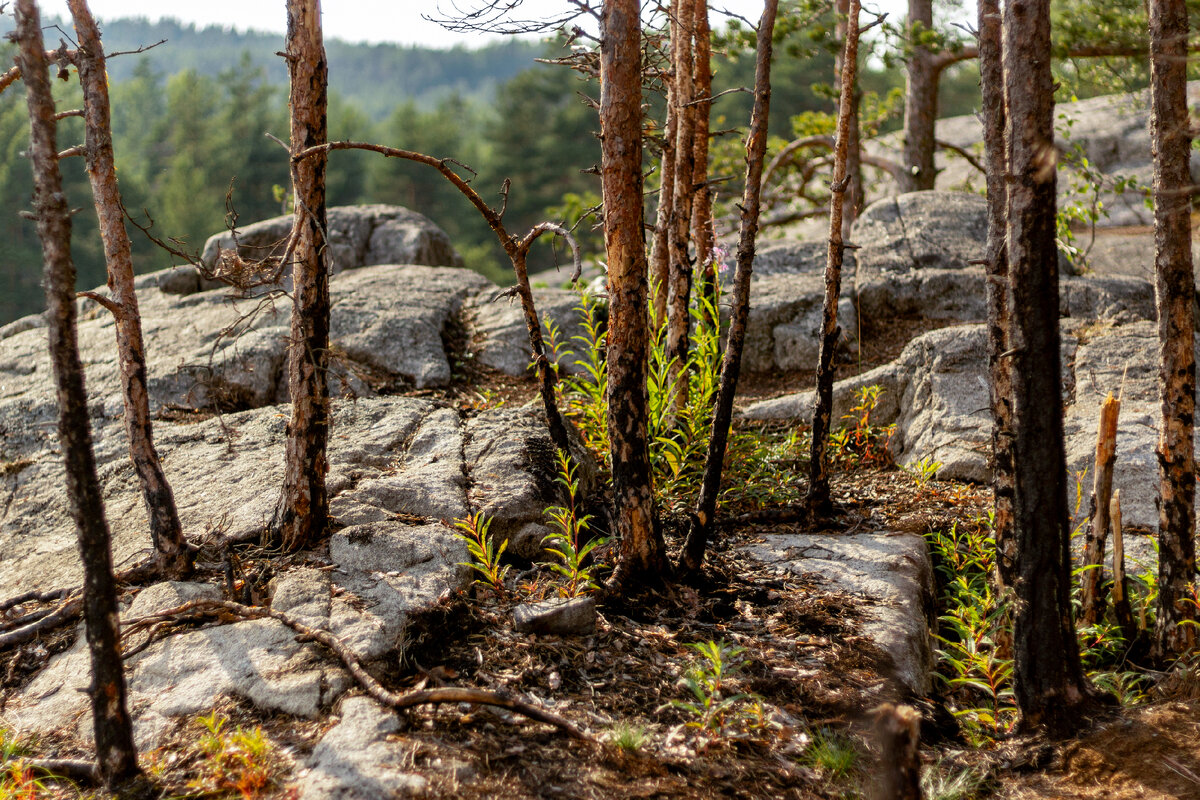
237, 762
18, 782
942, 781
567, 542
832, 754
630, 738
858, 442
473, 531
923, 471
713, 709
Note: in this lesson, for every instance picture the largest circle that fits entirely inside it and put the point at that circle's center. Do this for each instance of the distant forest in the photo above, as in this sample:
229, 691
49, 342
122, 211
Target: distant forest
189, 119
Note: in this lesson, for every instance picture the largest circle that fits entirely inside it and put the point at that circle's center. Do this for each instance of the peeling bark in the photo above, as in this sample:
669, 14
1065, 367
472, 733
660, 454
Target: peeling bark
115, 752
302, 515
642, 552
173, 554
1174, 290
817, 503
999, 324
1050, 689
696, 544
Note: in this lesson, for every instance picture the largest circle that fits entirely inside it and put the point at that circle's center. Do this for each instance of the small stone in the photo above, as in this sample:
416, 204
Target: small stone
575, 617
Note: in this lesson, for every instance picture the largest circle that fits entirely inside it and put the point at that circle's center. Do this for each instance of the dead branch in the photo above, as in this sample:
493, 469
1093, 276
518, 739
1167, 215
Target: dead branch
33, 597
375, 689
67, 612
965, 154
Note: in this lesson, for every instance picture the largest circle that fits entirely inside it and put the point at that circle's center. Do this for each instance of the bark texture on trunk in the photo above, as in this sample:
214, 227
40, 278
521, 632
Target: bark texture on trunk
1174, 289
854, 189
115, 752
303, 512
817, 502
1049, 682
174, 557
680, 295
991, 81
1091, 581
696, 544
702, 220
642, 553
920, 103
660, 253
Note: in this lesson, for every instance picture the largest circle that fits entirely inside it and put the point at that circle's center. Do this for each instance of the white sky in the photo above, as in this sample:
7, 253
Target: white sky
397, 21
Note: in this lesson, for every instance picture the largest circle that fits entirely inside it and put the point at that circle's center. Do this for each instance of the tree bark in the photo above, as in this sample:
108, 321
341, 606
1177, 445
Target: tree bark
1091, 596
817, 503
702, 220
680, 279
920, 103
302, 515
991, 80
1174, 290
855, 193
898, 735
171, 549
642, 552
696, 544
115, 752
1049, 682
660, 253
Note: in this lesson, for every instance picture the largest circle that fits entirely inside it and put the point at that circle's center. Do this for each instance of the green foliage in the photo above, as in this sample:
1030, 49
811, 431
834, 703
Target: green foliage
473, 531
234, 762
628, 737
585, 392
858, 442
568, 541
832, 754
712, 708
923, 471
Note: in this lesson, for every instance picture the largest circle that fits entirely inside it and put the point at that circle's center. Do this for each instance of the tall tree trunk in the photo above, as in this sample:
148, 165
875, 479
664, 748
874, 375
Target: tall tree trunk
114, 731
920, 102
679, 298
1174, 289
854, 189
817, 502
756, 147
702, 220
991, 81
660, 253
642, 552
1049, 682
303, 511
174, 557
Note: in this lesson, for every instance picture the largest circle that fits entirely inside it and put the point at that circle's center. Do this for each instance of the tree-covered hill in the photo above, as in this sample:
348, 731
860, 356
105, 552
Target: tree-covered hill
370, 76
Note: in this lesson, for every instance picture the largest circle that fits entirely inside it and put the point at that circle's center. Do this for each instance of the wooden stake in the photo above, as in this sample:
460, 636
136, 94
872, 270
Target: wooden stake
1091, 584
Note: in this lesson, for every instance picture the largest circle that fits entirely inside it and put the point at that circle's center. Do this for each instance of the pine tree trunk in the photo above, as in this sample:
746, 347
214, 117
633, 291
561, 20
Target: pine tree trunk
642, 552
694, 548
115, 752
660, 253
1175, 292
991, 79
303, 511
817, 502
1049, 683
702, 220
854, 189
174, 557
680, 295
920, 104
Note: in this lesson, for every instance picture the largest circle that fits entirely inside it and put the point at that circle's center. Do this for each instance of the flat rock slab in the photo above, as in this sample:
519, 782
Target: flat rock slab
891, 572
359, 759
565, 617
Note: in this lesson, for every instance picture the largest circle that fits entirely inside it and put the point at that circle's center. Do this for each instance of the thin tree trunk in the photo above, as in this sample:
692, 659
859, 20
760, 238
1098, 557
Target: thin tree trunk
756, 147
702, 220
115, 752
920, 103
679, 297
817, 502
303, 511
898, 736
174, 556
660, 253
1091, 580
1121, 608
991, 80
1174, 289
1049, 683
642, 552
854, 189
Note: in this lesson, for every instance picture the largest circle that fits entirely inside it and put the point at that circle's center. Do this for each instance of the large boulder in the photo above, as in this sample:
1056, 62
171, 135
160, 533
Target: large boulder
359, 236
920, 230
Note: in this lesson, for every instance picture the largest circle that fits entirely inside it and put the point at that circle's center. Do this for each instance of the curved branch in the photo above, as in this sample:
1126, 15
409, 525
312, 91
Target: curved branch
354, 666
789, 149
554, 227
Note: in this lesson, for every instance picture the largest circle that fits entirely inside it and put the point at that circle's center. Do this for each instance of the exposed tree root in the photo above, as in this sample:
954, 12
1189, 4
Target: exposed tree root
449, 694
